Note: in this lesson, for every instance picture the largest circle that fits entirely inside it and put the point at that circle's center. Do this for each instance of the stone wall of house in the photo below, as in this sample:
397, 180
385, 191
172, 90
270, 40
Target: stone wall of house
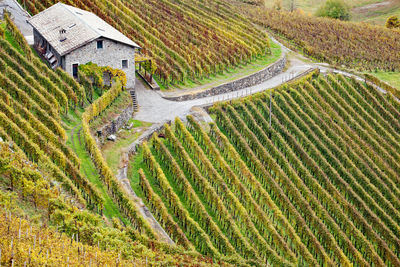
36, 37
111, 55
113, 126
251, 80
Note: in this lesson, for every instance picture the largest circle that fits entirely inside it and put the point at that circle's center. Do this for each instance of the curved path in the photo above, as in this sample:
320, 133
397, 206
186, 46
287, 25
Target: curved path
153, 108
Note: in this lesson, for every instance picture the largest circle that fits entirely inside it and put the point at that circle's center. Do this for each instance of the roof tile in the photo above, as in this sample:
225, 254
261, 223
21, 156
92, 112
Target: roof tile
81, 27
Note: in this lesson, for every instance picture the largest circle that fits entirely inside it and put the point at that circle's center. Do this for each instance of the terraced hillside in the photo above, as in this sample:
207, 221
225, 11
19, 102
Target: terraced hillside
33, 99
36, 104
59, 233
41, 176
187, 39
52, 248
359, 46
314, 182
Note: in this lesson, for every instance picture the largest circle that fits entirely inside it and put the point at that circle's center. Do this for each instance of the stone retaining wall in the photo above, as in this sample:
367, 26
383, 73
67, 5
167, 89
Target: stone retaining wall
248, 81
116, 124
146, 135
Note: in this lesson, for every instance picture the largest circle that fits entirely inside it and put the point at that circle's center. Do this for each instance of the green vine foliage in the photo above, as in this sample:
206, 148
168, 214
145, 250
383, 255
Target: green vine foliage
304, 174
390, 89
79, 233
124, 202
17, 35
33, 97
96, 74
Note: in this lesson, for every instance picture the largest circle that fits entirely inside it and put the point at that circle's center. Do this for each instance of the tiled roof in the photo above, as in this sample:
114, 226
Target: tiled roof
81, 27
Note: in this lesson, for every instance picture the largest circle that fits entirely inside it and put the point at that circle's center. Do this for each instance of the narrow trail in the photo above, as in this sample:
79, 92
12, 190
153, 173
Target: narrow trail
72, 137
122, 177
89, 170
75, 135
373, 6
78, 135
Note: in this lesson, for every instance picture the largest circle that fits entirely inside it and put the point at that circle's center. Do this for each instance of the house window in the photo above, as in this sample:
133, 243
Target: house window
75, 70
100, 44
124, 63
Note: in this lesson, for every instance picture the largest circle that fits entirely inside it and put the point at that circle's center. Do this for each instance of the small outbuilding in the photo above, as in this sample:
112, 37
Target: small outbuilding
67, 36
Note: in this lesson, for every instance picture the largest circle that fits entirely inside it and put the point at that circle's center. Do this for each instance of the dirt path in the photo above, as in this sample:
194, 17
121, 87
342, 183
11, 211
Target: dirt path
122, 177
372, 7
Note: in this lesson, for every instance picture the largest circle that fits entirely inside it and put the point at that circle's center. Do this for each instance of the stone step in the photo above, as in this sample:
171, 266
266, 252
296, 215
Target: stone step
134, 99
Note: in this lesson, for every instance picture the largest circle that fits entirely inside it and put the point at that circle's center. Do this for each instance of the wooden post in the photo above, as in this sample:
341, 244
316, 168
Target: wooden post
151, 73
270, 111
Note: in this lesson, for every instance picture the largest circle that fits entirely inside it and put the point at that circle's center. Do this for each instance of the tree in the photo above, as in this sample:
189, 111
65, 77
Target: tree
336, 9
392, 22
292, 6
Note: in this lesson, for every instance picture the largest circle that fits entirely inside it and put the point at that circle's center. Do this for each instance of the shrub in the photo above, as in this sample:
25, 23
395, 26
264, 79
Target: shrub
336, 9
392, 22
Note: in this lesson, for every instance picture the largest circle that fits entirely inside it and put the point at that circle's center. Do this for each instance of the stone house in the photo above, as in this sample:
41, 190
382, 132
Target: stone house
67, 36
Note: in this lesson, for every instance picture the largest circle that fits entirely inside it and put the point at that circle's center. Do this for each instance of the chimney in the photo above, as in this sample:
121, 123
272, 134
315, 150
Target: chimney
63, 35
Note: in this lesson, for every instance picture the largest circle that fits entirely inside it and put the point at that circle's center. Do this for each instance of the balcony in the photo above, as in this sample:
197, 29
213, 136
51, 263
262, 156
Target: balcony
46, 54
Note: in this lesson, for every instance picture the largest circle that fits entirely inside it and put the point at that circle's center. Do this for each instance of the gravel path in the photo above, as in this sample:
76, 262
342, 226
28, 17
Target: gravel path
154, 108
